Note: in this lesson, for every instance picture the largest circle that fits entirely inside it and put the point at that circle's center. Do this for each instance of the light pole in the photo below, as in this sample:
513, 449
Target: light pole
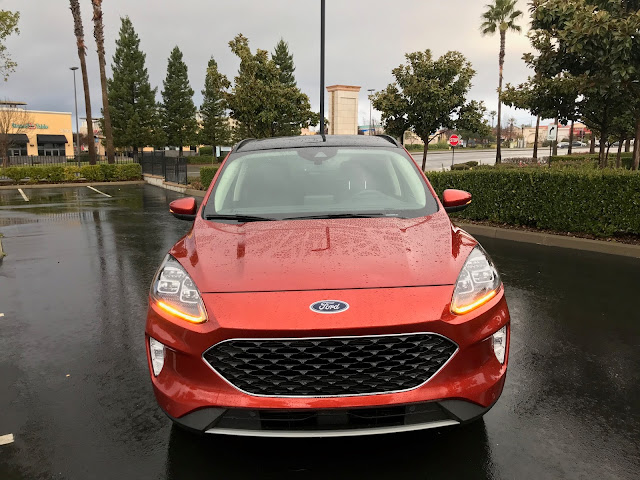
322, 29
75, 97
370, 90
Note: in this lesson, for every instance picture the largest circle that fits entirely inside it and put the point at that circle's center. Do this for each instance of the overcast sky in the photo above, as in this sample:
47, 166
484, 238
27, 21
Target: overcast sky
365, 41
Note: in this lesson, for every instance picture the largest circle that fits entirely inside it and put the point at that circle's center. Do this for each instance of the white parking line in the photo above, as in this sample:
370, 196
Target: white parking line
6, 439
26, 199
96, 190
1, 315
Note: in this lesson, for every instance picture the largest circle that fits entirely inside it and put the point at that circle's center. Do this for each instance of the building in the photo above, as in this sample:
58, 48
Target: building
35, 132
343, 109
580, 131
370, 130
98, 137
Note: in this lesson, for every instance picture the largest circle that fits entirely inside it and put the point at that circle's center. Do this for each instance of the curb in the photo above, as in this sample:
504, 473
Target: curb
550, 240
70, 185
195, 193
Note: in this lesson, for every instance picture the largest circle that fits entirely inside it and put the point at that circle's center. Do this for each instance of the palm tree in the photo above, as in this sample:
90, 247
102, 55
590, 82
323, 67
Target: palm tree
500, 15
79, 32
98, 33
492, 114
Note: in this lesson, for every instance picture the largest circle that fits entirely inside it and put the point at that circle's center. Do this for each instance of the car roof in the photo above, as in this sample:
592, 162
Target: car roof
303, 141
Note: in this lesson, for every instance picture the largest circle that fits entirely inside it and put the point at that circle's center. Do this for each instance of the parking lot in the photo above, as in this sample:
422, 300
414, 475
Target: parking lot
76, 397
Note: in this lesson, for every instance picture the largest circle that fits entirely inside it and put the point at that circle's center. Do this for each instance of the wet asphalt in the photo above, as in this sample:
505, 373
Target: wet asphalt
75, 392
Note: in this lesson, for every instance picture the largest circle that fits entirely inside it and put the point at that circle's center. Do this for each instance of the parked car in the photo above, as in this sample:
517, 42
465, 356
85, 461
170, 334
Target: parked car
563, 145
323, 291
579, 144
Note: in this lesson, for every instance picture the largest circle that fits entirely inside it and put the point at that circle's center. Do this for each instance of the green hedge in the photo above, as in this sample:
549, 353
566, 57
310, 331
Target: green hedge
61, 173
205, 151
206, 175
599, 202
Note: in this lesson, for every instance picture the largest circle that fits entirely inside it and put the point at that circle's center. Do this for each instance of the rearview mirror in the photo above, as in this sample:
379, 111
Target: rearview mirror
455, 200
184, 208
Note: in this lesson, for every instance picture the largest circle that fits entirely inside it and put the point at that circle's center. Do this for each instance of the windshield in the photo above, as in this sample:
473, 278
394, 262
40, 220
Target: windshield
320, 182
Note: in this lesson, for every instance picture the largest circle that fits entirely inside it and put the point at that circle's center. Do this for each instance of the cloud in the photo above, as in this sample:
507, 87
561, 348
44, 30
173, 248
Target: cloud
365, 41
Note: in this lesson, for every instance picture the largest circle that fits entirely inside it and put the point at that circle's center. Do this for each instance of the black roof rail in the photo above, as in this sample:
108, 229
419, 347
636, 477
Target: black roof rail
241, 143
389, 139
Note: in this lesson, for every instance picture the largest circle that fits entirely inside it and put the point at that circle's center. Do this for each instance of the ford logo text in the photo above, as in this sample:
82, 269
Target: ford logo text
329, 306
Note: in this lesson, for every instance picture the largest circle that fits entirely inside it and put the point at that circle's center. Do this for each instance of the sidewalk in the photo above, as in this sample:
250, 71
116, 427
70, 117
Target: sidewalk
550, 240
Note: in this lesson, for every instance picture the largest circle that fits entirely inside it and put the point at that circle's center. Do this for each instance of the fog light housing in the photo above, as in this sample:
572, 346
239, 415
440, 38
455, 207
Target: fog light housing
499, 342
156, 350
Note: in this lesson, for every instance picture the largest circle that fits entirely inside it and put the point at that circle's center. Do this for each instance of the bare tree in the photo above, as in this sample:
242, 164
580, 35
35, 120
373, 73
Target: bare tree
13, 121
98, 34
79, 32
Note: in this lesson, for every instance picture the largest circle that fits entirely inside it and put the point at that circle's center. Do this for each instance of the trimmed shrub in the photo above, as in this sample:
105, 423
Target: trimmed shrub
62, 173
205, 151
464, 166
598, 202
206, 176
626, 159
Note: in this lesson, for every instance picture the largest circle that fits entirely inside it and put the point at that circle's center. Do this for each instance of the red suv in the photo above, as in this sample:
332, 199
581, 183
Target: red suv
323, 291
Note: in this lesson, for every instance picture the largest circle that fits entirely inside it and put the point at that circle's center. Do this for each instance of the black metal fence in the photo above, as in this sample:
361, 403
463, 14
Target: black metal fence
173, 169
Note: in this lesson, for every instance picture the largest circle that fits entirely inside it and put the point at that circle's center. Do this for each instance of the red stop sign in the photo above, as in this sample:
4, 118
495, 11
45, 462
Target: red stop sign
454, 140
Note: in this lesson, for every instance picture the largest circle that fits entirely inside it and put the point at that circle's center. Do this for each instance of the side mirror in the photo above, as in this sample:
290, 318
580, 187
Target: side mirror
455, 200
184, 208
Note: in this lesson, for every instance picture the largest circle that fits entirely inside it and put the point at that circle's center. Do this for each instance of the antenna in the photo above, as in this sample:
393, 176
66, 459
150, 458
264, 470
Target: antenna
322, 4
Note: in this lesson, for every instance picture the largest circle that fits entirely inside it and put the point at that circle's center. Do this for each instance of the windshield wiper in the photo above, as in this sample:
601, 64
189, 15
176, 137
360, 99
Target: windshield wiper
239, 218
343, 215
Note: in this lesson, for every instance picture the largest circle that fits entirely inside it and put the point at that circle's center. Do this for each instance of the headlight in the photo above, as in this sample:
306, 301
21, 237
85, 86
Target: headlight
477, 283
174, 291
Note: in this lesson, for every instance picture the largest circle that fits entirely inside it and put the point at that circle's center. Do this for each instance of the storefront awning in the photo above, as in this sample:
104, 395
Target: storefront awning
18, 139
52, 139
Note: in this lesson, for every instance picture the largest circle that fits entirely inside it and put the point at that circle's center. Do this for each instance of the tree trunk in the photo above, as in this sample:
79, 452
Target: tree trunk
535, 142
79, 32
501, 69
604, 134
98, 33
603, 153
592, 146
636, 147
571, 138
554, 142
425, 151
627, 145
619, 156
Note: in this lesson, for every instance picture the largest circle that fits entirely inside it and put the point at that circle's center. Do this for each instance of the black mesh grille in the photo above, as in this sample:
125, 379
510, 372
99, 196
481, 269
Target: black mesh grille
331, 366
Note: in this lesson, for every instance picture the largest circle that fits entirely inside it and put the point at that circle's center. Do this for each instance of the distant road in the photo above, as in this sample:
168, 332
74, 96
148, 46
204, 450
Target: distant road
437, 160
442, 159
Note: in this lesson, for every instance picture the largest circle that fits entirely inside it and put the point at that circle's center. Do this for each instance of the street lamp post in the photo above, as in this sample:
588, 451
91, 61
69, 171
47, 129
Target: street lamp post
371, 90
75, 97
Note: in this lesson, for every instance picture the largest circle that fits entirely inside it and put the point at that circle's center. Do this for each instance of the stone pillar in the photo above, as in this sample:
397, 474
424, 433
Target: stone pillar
343, 109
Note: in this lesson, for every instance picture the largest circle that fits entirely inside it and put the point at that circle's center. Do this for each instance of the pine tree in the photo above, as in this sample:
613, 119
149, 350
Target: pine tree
178, 111
132, 101
215, 125
262, 104
284, 61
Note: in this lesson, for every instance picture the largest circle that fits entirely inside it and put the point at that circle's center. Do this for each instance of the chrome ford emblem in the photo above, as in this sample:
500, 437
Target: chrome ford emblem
329, 306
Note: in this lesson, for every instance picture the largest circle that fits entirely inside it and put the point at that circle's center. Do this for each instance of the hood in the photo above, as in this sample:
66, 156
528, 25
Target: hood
323, 254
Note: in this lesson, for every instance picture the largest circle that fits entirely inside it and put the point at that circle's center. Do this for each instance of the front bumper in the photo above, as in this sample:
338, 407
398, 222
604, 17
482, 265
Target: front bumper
197, 397
336, 422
